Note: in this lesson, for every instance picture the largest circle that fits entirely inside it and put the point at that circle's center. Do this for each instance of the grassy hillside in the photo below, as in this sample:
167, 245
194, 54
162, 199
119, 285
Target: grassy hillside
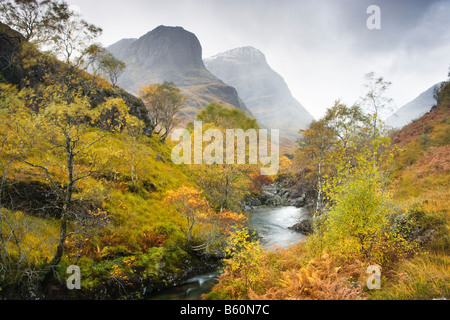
142, 242
121, 232
422, 184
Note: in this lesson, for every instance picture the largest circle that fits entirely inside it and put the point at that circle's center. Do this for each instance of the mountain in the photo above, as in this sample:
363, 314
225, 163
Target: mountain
173, 54
414, 109
263, 90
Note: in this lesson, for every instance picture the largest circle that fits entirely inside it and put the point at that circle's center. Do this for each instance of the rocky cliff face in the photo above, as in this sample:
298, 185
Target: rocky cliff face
164, 54
10, 44
263, 90
173, 54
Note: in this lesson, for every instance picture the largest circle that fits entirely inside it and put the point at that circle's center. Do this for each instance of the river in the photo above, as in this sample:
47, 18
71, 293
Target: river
271, 224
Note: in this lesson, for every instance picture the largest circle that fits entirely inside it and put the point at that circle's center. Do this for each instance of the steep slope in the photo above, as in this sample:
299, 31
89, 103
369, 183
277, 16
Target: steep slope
46, 69
423, 168
422, 181
173, 54
137, 227
262, 89
414, 109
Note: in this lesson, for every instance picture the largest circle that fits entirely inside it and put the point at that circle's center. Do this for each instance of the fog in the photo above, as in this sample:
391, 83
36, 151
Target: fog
321, 48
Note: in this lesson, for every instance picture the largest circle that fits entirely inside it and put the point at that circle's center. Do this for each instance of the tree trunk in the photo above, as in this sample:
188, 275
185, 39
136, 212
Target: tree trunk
319, 188
66, 205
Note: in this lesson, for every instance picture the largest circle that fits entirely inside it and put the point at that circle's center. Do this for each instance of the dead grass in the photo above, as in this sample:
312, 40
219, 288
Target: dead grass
320, 279
425, 277
420, 126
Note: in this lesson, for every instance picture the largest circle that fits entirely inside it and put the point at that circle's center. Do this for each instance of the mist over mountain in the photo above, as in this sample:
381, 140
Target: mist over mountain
173, 54
262, 89
413, 109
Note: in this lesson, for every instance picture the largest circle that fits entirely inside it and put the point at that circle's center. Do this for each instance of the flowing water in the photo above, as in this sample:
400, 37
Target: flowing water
271, 224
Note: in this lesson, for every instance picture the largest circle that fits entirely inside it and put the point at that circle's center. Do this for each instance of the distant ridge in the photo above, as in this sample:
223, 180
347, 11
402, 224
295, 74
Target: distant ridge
414, 109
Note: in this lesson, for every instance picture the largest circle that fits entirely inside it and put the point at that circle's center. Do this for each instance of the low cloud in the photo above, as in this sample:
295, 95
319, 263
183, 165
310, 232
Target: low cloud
321, 48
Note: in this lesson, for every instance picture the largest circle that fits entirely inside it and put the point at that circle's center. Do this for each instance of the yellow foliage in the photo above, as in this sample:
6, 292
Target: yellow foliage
286, 274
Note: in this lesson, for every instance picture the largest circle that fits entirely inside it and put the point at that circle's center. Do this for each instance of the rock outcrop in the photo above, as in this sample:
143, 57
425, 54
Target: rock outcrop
304, 226
10, 45
275, 195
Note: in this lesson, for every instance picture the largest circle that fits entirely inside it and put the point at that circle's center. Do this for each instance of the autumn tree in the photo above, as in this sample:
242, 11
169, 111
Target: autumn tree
67, 133
243, 265
111, 115
99, 61
93, 55
375, 101
112, 67
347, 123
163, 102
13, 115
342, 131
226, 118
29, 17
71, 36
134, 158
189, 203
358, 210
225, 184
54, 27
24, 139
357, 221
377, 105
436, 91
61, 33
316, 144
216, 226
49, 23
258, 181
12, 110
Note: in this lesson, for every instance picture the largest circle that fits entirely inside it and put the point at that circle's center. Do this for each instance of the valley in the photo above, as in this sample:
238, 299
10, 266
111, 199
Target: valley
140, 171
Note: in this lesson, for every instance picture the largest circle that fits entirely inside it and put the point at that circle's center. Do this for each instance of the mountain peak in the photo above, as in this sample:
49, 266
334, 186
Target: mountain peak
168, 30
247, 53
263, 91
172, 46
163, 27
173, 54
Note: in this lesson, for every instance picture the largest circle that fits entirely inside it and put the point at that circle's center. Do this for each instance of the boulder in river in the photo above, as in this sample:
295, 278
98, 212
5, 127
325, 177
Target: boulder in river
304, 226
275, 195
298, 202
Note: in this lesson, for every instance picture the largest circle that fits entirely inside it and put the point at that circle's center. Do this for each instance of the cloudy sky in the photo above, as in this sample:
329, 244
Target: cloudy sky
321, 48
